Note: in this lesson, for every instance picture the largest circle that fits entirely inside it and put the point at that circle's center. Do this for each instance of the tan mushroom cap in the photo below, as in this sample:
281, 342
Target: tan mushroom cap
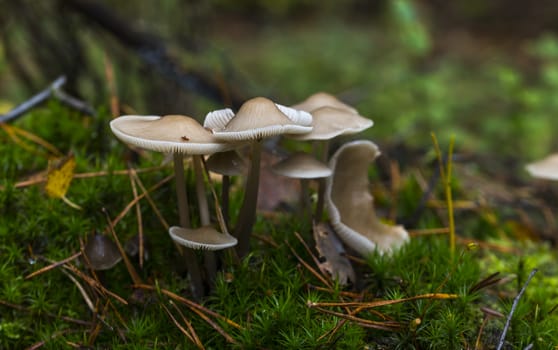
546, 168
205, 237
351, 206
101, 252
323, 99
329, 122
169, 134
226, 163
301, 166
257, 118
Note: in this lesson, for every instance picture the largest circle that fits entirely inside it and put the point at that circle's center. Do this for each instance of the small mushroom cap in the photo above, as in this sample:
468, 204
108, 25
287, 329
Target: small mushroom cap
257, 118
329, 122
351, 206
301, 166
226, 163
323, 99
169, 134
546, 168
101, 252
205, 237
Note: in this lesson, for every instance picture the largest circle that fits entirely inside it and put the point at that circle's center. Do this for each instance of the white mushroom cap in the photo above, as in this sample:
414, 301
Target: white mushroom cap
329, 122
323, 99
351, 206
546, 168
257, 118
205, 237
169, 134
301, 166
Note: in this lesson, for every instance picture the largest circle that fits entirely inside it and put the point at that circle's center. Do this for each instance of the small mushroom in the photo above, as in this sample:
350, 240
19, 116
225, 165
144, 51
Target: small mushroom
256, 119
351, 206
304, 167
226, 164
546, 168
101, 252
330, 121
205, 237
321, 99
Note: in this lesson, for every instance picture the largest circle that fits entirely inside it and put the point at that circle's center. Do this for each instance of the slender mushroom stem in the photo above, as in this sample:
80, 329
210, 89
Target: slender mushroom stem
225, 190
321, 183
247, 215
209, 256
188, 254
304, 199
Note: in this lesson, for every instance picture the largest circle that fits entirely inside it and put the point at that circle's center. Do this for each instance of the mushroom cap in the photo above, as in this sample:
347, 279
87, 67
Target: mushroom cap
329, 122
169, 134
323, 99
301, 166
205, 237
546, 168
257, 118
101, 252
351, 206
226, 163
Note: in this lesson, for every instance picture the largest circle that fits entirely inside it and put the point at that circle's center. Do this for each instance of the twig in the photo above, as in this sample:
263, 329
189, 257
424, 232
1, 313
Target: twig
378, 303
33, 101
179, 326
139, 218
189, 303
52, 266
131, 270
383, 325
53, 90
514, 306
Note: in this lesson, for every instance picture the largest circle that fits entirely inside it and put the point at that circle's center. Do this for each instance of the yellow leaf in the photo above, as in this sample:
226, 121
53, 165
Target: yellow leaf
60, 174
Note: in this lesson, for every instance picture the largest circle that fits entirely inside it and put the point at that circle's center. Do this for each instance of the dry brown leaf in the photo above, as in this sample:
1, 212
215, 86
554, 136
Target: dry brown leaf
333, 262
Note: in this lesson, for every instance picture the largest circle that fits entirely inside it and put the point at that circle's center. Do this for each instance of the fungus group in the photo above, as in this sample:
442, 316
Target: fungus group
319, 118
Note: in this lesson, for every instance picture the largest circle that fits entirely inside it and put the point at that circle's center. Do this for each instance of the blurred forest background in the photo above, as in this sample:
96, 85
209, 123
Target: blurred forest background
484, 71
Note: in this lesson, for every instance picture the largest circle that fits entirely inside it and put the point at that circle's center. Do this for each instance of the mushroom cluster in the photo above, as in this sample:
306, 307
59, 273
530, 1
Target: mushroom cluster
319, 118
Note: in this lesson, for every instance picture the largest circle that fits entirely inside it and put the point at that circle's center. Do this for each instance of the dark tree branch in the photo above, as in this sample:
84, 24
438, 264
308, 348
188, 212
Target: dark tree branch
150, 49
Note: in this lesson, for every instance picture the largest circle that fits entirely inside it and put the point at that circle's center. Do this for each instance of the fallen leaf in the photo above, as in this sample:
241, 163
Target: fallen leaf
60, 174
331, 255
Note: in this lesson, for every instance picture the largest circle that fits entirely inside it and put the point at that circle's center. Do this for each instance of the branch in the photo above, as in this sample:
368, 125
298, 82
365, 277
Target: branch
514, 306
151, 50
54, 90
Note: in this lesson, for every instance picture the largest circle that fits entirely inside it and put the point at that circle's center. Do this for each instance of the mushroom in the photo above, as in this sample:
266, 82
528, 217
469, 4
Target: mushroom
101, 252
304, 167
226, 164
546, 168
329, 122
178, 135
351, 206
256, 119
322, 99
205, 237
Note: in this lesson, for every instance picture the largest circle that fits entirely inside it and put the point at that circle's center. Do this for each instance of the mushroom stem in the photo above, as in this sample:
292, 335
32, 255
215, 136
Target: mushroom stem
188, 254
225, 190
247, 215
304, 198
321, 183
209, 256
